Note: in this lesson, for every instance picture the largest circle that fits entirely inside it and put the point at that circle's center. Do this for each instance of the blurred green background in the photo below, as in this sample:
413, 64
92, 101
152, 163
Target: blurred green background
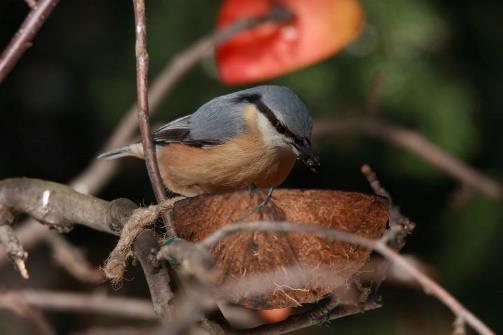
442, 68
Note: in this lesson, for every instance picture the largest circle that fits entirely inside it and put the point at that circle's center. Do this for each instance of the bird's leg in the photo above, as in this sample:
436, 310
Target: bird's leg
252, 189
259, 206
266, 198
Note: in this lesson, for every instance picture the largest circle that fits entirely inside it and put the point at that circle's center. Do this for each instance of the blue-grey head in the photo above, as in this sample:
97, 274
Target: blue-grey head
283, 119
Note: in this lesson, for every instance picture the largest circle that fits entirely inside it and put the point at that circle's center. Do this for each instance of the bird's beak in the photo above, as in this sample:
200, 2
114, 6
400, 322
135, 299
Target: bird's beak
306, 155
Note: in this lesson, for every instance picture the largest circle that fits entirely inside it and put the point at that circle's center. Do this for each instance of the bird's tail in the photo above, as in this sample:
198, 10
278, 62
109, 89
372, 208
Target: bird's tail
135, 150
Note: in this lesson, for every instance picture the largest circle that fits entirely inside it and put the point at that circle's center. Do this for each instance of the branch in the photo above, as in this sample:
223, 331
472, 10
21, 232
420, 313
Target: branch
22, 39
95, 303
399, 225
11, 243
190, 307
19, 306
58, 205
158, 277
415, 143
142, 61
73, 260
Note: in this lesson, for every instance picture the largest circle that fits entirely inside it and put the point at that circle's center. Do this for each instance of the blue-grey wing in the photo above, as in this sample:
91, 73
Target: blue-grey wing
213, 123
175, 131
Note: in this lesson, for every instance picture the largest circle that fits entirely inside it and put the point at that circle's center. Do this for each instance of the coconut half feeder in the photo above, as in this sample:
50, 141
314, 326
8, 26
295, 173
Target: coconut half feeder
265, 270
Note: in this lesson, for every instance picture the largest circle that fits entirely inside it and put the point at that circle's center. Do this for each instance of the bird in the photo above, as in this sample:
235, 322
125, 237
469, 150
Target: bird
249, 137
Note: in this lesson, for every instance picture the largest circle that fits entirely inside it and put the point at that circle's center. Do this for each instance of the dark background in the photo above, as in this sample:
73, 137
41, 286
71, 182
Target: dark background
442, 64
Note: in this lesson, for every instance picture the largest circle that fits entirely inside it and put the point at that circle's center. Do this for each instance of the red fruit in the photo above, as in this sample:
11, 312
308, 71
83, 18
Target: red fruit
319, 29
274, 315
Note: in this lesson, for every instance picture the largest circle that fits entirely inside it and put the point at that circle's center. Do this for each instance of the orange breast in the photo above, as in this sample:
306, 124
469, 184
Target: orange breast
233, 165
278, 170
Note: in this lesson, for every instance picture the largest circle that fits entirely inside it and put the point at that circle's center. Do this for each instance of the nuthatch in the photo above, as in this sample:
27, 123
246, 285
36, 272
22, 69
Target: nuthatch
247, 137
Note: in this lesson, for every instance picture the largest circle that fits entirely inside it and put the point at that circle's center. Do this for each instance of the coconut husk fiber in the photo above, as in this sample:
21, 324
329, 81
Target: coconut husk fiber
263, 270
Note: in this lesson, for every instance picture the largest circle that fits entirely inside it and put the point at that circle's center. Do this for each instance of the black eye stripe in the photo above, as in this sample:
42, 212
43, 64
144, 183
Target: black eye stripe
256, 99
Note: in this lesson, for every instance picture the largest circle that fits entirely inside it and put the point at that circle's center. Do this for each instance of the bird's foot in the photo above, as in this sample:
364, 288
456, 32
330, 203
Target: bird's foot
261, 205
266, 198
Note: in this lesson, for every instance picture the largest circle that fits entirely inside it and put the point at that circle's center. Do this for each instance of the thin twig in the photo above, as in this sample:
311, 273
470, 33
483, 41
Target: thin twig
400, 226
161, 295
11, 243
283, 226
73, 260
142, 61
157, 276
413, 142
374, 183
22, 39
31, 3
96, 303
18, 305
429, 286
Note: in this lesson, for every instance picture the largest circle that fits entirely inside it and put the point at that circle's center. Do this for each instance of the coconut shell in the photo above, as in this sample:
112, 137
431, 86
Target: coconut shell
264, 270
